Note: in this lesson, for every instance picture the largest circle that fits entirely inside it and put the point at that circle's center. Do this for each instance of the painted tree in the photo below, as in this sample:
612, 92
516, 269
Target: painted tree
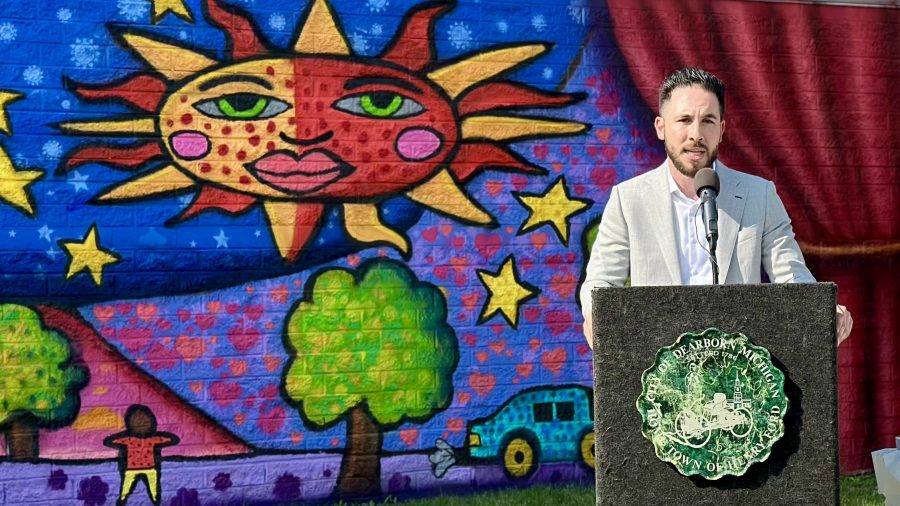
373, 350
39, 385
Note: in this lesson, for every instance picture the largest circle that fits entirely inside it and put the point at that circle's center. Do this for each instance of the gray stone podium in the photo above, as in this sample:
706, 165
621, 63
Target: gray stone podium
795, 322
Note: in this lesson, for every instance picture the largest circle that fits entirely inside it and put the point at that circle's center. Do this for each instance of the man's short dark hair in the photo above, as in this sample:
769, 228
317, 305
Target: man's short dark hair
691, 76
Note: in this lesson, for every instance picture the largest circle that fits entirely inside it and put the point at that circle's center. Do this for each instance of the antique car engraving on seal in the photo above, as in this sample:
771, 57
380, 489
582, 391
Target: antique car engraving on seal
712, 404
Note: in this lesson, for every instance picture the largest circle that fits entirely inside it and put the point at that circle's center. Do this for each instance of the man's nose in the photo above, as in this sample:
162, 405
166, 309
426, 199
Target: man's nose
694, 132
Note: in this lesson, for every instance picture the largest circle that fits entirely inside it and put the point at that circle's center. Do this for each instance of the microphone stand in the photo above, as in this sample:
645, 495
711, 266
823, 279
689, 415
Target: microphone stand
712, 237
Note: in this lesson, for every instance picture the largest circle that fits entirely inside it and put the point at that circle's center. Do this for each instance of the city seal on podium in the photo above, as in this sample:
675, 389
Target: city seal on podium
712, 404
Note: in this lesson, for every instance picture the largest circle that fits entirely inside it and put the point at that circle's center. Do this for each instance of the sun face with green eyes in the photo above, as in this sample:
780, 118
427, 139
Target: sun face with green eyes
309, 127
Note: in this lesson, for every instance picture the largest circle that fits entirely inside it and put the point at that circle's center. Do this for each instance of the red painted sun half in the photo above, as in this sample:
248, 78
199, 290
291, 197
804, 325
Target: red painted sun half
319, 126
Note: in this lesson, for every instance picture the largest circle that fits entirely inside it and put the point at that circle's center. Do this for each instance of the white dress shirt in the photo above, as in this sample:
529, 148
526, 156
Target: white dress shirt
690, 236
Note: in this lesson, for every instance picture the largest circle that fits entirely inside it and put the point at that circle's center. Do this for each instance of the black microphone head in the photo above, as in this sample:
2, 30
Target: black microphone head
706, 178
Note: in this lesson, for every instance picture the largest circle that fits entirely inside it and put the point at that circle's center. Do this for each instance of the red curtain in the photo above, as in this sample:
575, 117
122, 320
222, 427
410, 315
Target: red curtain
812, 104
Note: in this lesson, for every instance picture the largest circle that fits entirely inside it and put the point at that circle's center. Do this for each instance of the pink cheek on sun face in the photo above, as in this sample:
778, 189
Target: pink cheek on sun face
190, 145
418, 144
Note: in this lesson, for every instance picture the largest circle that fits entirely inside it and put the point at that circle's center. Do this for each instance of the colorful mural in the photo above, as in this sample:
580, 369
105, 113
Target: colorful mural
259, 253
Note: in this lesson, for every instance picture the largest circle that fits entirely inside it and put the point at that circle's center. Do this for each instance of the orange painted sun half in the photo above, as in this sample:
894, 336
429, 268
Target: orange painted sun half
314, 126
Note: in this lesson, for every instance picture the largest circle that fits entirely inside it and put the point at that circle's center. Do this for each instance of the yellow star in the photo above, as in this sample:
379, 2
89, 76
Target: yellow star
87, 254
555, 207
505, 292
13, 184
177, 7
7, 97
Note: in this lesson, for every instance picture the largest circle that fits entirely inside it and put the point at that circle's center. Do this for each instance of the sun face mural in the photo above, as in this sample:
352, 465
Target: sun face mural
315, 126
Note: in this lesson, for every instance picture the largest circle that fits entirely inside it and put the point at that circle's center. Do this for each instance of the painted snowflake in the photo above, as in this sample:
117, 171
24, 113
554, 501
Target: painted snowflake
539, 23
133, 10
63, 15
377, 5
376, 30
460, 35
33, 75
84, 53
359, 42
547, 73
277, 22
578, 11
52, 150
8, 32
502, 26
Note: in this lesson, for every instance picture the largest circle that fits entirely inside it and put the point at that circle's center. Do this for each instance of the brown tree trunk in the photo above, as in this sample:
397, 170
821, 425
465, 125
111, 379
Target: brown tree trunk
22, 439
360, 475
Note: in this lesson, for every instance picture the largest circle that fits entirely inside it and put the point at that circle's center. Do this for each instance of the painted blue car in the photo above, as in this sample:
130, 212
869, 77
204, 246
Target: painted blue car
544, 424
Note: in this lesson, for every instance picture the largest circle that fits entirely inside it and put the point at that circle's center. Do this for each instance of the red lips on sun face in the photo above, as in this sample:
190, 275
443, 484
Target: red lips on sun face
299, 174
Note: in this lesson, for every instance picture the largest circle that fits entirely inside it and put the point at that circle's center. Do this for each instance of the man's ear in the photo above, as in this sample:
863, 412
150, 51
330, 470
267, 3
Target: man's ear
721, 130
660, 125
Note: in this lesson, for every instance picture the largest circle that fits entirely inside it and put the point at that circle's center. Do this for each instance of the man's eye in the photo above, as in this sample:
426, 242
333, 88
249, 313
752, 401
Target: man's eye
242, 106
379, 104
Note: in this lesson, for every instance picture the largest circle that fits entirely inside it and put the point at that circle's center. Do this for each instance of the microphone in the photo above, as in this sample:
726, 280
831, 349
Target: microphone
706, 184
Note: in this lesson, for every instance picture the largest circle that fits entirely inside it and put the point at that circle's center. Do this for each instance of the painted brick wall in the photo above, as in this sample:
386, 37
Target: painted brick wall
324, 251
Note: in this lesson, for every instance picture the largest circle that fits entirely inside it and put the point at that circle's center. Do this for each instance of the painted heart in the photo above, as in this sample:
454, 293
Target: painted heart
603, 177
554, 360
470, 339
538, 240
541, 151
441, 271
531, 313
463, 398
481, 356
524, 370
196, 387
296, 437
488, 245
458, 242
610, 153
163, 324
354, 260
279, 294
232, 307
519, 182
271, 421
213, 306
184, 315
494, 187
497, 346
272, 363
253, 311
582, 350
482, 383
603, 134
409, 436
104, 313
564, 284
237, 367
190, 348
566, 150
446, 229
225, 393
558, 321
470, 300
243, 339
430, 234
455, 425
146, 311
134, 339
534, 343
124, 308
217, 362
204, 321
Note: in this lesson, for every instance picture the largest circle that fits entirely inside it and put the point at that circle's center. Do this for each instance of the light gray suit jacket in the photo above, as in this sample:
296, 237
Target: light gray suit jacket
636, 237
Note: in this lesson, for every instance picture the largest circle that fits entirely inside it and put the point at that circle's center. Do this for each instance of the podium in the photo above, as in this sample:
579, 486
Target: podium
794, 322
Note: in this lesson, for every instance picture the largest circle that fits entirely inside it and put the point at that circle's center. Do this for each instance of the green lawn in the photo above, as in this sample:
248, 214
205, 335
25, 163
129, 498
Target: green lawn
855, 491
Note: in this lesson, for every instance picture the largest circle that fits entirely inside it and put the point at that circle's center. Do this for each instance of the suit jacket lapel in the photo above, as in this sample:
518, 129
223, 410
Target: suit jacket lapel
662, 221
731, 201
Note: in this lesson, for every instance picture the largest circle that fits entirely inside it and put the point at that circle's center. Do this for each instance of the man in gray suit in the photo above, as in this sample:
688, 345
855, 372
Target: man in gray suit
651, 231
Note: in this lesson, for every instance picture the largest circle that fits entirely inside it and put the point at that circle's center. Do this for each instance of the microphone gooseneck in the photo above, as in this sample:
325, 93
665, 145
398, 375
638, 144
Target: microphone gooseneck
706, 184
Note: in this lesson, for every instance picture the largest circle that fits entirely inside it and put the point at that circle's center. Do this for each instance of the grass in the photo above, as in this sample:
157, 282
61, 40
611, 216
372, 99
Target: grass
855, 491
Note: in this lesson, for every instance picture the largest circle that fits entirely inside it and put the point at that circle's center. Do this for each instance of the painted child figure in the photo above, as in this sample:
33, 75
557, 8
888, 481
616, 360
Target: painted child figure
140, 448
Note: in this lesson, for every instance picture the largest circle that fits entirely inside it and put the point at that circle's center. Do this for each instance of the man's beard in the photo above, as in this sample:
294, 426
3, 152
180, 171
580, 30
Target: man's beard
682, 168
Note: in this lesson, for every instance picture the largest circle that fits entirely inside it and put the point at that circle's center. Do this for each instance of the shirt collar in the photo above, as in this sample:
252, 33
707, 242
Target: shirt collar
673, 186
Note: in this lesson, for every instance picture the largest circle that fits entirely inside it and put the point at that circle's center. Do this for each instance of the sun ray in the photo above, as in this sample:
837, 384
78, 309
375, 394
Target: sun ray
443, 194
110, 126
320, 33
462, 75
211, 197
512, 128
173, 62
474, 157
168, 179
241, 35
143, 91
413, 46
292, 224
363, 224
126, 157
506, 96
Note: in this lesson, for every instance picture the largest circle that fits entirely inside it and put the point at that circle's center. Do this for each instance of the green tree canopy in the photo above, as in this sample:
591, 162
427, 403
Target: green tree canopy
380, 340
38, 378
